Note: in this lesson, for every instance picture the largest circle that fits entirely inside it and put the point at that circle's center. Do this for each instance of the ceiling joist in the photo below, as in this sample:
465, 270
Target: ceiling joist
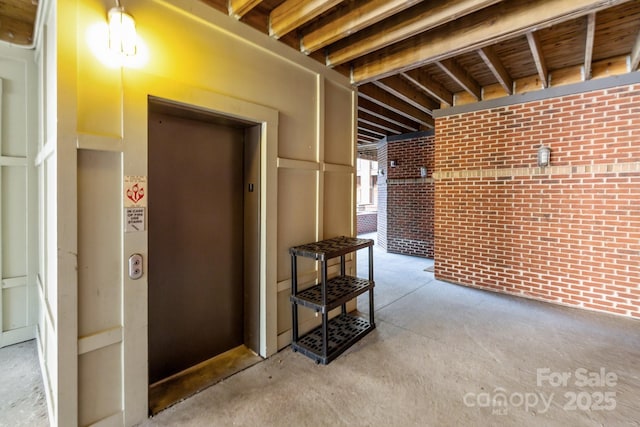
364, 117
635, 54
588, 48
386, 115
505, 20
239, 8
293, 13
435, 89
538, 58
460, 76
385, 99
494, 64
354, 20
404, 25
404, 90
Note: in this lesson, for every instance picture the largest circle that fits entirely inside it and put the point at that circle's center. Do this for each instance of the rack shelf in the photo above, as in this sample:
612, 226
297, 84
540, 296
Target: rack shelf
339, 290
344, 331
333, 336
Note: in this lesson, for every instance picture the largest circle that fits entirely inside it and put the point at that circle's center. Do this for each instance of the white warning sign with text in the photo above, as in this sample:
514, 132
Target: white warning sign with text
134, 219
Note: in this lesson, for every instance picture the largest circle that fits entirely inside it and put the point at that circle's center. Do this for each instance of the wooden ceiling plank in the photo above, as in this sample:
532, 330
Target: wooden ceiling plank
538, 58
493, 62
588, 49
354, 20
410, 94
430, 86
457, 73
506, 20
635, 55
385, 99
406, 25
386, 115
239, 8
294, 13
15, 31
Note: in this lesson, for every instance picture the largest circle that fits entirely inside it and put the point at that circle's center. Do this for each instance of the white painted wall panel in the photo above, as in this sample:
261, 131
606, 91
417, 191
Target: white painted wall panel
297, 214
339, 204
13, 189
18, 120
99, 241
338, 132
100, 384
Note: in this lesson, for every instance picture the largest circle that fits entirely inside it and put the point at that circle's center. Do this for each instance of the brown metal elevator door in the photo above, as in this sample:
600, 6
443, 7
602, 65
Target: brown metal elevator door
195, 224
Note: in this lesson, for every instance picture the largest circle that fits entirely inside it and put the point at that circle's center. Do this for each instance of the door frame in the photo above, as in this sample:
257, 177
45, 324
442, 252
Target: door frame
138, 87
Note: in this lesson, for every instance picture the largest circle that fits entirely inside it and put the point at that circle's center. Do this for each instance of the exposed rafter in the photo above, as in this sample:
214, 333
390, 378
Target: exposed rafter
588, 48
386, 115
460, 76
379, 123
404, 90
293, 13
239, 8
385, 99
403, 26
356, 19
538, 58
431, 87
505, 20
364, 129
494, 64
635, 54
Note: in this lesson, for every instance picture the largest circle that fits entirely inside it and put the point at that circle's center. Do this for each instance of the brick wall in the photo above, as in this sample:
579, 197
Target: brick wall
382, 195
409, 197
367, 222
568, 233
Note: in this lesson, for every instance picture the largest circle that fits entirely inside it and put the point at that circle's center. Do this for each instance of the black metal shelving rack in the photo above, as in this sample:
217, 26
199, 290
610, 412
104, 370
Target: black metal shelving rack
333, 336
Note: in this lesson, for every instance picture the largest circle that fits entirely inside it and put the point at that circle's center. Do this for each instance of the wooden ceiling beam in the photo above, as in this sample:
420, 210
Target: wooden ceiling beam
354, 20
293, 13
386, 115
538, 58
503, 21
494, 64
383, 125
403, 26
369, 135
433, 88
239, 8
588, 49
370, 130
401, 88
635, 55
460, 76
367, 138
385, 99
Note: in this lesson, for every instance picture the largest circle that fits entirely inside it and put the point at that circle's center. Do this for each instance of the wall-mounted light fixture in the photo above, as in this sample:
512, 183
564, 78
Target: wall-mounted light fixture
381, 171
544, 156
122, 32
393, 163
423, 171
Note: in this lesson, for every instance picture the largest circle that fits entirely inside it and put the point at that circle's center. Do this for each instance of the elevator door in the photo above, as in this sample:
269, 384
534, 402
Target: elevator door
195, 224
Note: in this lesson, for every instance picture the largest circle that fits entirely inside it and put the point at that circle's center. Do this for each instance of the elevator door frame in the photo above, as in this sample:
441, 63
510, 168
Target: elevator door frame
248, 140
139, 88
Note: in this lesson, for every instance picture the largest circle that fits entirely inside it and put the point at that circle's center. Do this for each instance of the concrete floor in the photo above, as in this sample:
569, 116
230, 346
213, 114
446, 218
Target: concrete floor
441, 355
22, 398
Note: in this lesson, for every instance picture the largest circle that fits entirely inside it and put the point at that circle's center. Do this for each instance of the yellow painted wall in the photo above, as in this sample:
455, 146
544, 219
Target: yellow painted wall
198, 56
